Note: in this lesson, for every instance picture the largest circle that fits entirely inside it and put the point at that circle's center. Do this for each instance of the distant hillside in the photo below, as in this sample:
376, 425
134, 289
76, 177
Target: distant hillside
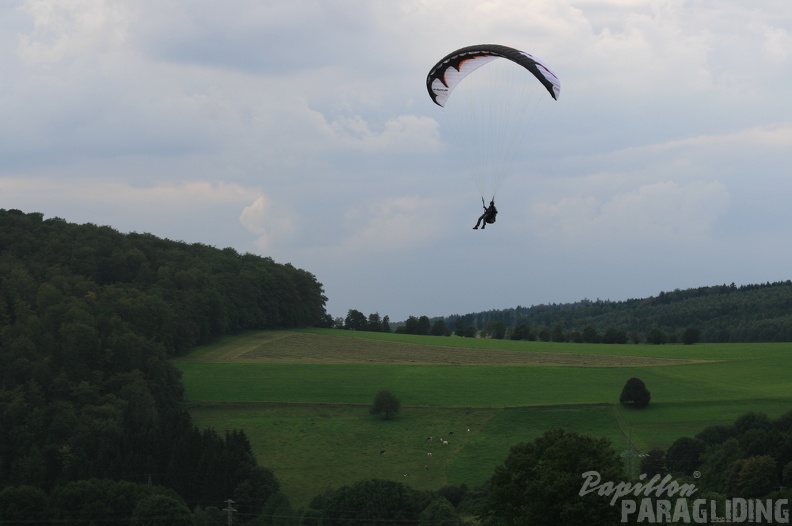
724, 313
179, 294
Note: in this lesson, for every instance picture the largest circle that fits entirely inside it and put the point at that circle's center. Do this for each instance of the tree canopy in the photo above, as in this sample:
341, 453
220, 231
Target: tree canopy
539, 482
88, 320
720, 313
635, 394
387, 403
373, 501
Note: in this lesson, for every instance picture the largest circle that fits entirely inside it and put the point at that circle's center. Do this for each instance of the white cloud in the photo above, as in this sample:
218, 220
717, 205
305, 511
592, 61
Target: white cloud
267, 222
777, 44
403, 134
70, 28
393, 225
665, 212
117, 192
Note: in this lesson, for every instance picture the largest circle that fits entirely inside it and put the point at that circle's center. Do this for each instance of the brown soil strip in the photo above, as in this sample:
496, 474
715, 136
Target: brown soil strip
311, 348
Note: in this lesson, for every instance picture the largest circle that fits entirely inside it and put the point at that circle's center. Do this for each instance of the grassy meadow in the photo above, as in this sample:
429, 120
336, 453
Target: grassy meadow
302, 398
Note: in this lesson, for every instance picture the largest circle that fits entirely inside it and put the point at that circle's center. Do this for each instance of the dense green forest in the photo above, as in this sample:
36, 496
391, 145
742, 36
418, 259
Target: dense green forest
88, 396
718, 314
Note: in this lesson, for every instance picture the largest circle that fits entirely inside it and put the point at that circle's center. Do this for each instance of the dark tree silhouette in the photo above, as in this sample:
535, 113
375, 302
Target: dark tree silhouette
356, 320
691, 335
385, 402
684, 455
539, 482
373, 501
654, 463
635, 393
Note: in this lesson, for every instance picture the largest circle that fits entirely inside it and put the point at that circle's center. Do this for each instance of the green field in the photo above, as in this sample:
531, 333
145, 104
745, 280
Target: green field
302, 398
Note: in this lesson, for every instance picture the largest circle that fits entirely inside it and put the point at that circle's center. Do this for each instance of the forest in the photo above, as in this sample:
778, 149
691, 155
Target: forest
88, 397
714, 314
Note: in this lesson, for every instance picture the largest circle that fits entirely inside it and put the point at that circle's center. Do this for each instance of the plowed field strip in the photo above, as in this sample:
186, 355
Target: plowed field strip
311, 348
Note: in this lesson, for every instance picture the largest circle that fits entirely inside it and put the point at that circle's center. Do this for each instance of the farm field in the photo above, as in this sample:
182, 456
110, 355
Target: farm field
302, 398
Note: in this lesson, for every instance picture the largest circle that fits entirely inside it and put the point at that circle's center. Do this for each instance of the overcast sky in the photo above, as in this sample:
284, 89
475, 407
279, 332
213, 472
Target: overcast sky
302, 130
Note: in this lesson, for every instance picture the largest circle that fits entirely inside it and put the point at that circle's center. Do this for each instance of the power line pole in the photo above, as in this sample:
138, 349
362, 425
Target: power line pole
230, 509
630, 454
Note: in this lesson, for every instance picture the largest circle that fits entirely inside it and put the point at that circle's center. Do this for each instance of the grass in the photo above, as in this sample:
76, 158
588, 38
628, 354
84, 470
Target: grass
302, 399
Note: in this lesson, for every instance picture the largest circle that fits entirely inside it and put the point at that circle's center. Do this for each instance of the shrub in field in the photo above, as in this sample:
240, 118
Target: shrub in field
385, 402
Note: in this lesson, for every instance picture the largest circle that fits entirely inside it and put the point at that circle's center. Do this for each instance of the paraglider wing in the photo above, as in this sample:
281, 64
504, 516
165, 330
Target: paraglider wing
455, 66
499, 94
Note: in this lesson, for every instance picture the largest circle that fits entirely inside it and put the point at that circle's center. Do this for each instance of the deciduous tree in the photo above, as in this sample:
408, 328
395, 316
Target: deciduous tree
387, 403
635, 394
355, 320
539, 482
691, 335
684, 455
373, 501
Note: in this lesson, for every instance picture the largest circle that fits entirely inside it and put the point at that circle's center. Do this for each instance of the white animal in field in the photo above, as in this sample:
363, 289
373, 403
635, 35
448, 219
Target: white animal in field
445, 442
429, 454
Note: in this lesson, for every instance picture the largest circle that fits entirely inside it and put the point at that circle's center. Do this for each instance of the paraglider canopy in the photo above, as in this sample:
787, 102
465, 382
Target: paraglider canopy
489, 112
455, 66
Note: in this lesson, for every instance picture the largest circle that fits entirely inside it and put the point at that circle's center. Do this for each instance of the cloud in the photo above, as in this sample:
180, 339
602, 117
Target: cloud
117, 192
70, 28
169, 209
776, 45
394, 225
266, 222
664, 212
405, 133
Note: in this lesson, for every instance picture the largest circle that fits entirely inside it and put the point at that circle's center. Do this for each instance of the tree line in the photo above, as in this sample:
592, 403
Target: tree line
88, 320
355, 320
750, 458
718, 314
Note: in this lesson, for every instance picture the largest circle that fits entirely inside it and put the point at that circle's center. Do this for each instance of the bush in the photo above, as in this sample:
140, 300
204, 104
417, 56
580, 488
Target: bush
385, 402
635, 393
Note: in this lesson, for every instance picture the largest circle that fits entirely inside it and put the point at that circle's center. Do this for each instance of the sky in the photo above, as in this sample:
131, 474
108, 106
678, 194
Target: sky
302, 130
